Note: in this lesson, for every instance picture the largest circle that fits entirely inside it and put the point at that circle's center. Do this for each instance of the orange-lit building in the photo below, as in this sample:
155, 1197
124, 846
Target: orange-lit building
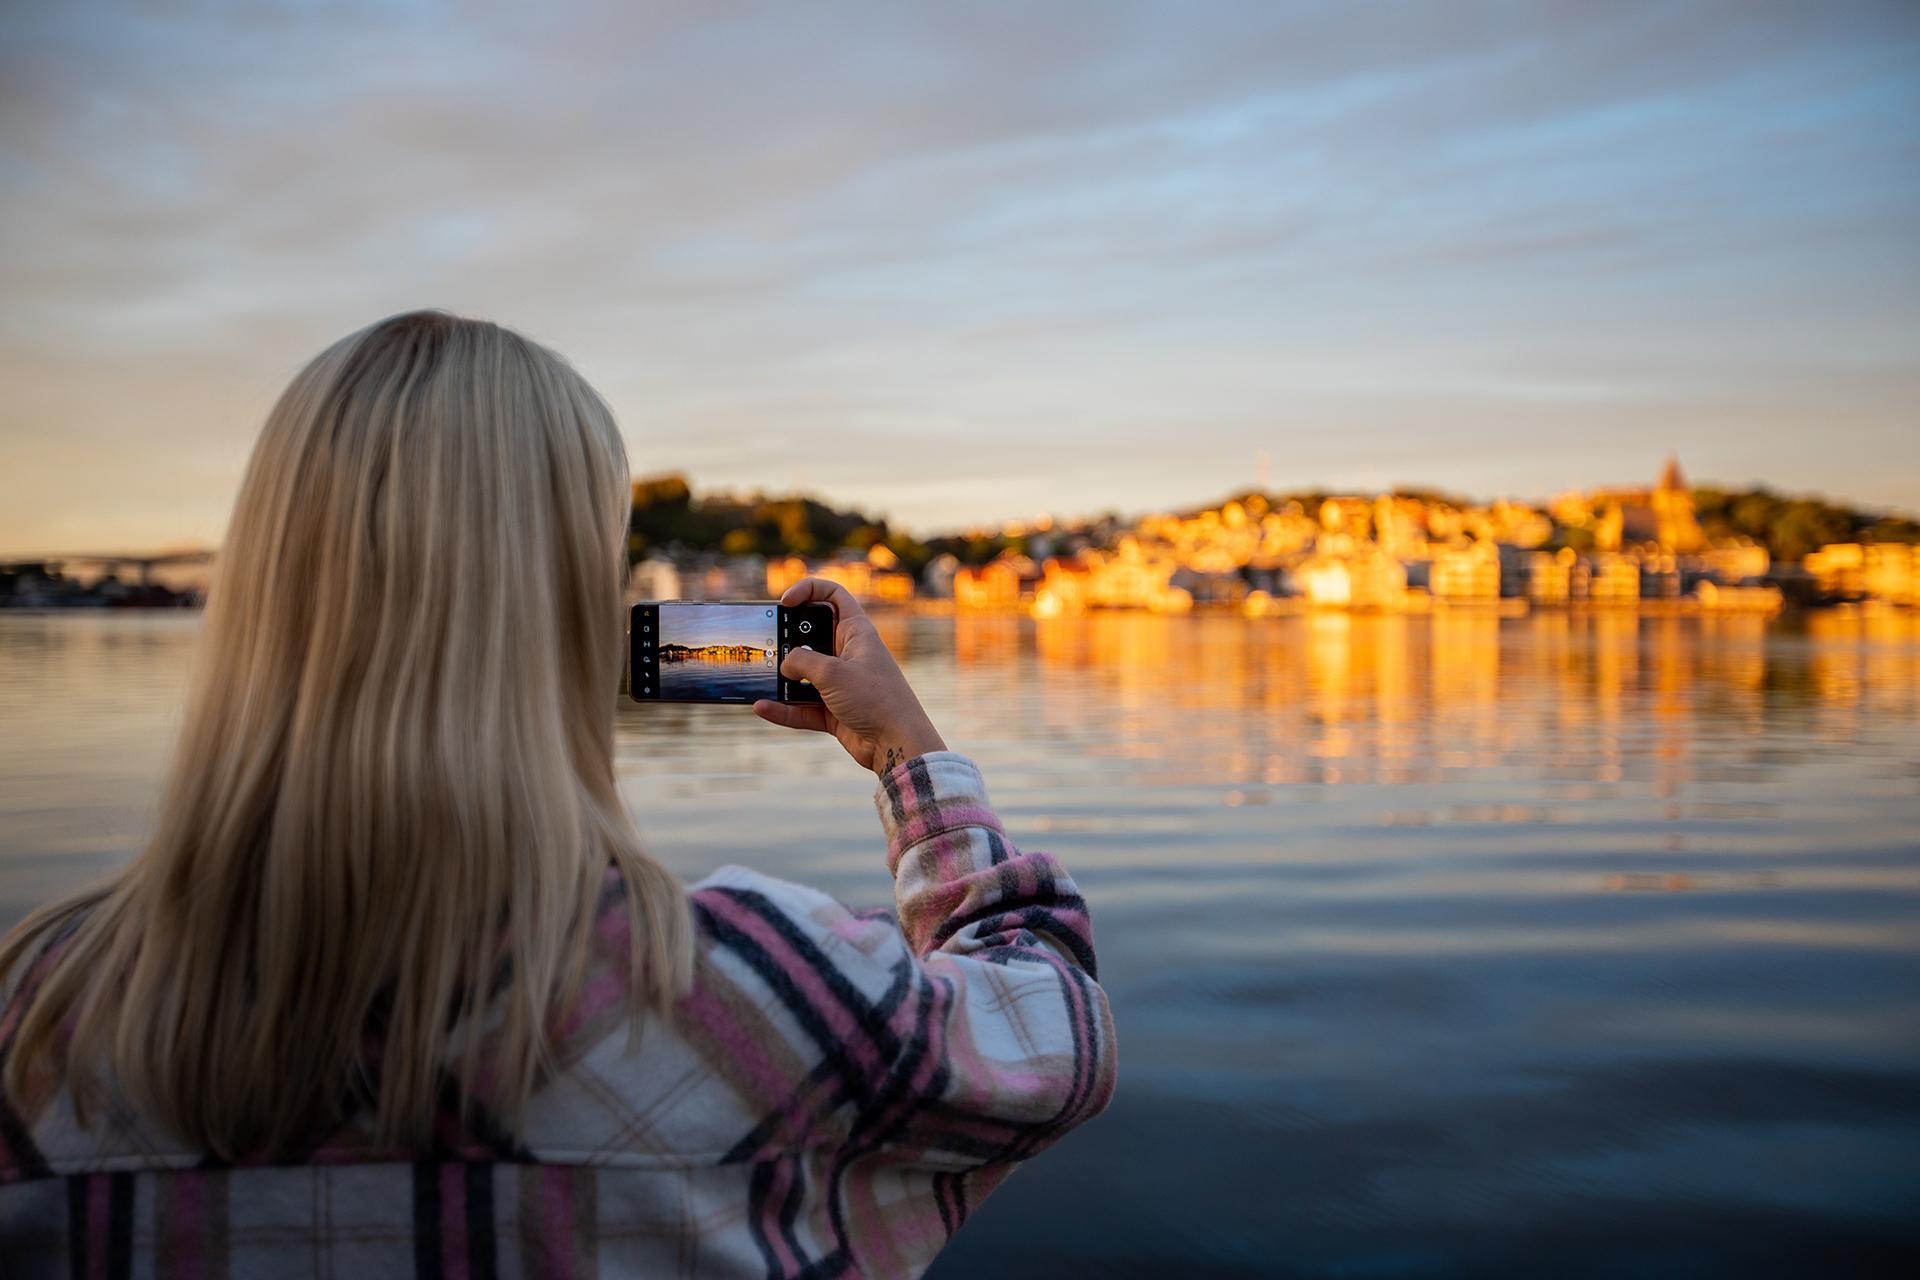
1715, 598
1466, 575
1286, 531
1065, 587
1676, 526
1346, 525
1840, 569
1619, 518
1515, 524
872, 579
1556, 578
1893, 573
782, 574
1737, 561
1660, 577
1400, 526
1614, 581
998, 584
1131, 576
1369, 579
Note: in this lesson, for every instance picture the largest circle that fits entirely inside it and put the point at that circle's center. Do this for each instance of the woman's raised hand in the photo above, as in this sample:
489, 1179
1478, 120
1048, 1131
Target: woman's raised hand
866, 701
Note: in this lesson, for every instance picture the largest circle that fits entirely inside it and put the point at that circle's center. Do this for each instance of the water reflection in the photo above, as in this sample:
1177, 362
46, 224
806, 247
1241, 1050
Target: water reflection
1342, 698
1569, 944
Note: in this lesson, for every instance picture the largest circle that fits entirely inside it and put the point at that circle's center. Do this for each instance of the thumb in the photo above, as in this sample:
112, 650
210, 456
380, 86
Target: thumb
810, 665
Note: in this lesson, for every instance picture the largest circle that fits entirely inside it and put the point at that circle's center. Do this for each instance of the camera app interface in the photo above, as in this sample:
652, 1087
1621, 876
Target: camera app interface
707, 653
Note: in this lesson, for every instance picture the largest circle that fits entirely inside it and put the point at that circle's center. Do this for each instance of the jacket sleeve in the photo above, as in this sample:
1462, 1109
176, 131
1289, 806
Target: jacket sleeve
1002, 1034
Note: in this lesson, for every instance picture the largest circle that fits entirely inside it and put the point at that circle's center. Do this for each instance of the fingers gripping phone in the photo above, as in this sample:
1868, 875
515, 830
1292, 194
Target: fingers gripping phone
728, 651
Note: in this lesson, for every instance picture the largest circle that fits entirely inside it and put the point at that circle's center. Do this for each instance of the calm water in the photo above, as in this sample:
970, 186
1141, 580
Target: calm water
1557, 944
713, 678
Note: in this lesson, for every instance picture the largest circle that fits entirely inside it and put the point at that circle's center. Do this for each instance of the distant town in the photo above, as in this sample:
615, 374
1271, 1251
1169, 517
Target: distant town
711, 653
1665, 547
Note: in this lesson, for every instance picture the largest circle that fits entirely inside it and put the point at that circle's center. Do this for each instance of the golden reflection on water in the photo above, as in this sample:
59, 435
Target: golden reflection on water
1518, 721
1339, 698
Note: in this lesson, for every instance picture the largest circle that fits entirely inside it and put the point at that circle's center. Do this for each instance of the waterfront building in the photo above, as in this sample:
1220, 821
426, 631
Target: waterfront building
1614, 580
1893, 573
1210, 541
1131, 576
1286, 531
936, 580
1610, 526
998, 584
1660, 577
872, 578
1515, 524
783, 573
1556, 578
1677, 528
1346, 524
1400, 526
1466, 575
1626, 517
1737, 561
1715, 598
1516, 565
892, 586
1839, 569
855, 575
1065, 587
1368, 579
1226, 586
1447, 523
1573, 510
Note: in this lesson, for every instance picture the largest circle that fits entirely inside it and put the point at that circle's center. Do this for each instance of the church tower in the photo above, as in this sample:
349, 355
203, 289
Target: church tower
1680, 530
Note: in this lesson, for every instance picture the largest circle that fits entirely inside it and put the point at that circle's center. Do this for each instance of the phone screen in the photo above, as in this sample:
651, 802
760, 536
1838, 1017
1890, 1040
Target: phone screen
683, 651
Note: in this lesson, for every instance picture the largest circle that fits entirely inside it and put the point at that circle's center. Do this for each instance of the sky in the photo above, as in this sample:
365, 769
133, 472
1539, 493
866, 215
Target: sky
699, 624
961, 263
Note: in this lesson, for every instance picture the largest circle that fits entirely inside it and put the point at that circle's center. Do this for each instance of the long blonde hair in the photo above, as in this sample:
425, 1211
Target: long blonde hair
394, 781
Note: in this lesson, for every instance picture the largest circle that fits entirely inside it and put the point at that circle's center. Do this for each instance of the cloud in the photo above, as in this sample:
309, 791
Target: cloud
861, 240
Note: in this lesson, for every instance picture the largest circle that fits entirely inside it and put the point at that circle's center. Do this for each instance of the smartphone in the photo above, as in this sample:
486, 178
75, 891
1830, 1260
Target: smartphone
721, 651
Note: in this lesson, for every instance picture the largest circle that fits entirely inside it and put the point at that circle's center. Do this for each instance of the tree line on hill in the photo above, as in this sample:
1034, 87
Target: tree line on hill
1792, 527
669, 516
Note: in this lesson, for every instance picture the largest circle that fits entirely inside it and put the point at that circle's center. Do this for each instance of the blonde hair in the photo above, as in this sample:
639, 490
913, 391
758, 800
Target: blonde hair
394, 783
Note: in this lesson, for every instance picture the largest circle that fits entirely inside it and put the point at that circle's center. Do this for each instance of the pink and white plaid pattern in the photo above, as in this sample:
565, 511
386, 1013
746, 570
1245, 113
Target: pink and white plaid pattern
834, 1096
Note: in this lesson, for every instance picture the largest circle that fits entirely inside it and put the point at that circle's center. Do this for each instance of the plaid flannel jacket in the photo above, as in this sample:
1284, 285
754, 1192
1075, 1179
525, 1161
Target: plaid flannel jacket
834, 1096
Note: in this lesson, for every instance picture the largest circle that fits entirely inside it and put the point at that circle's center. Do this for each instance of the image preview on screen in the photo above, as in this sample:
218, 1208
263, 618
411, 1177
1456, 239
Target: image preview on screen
717, 651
